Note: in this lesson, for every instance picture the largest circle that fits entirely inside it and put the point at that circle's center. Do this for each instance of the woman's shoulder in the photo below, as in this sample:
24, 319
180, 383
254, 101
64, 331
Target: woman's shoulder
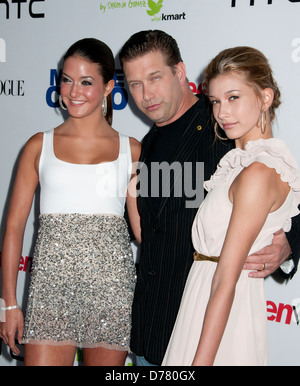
34, 143
135, 147
31, 152
258, 183
257, 173
134, 142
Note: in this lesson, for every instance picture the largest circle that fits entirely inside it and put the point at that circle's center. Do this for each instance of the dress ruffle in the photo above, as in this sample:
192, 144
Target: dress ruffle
271, 152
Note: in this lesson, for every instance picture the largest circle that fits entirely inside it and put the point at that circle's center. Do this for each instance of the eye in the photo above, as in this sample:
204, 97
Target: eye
233, 98
65, 80
214, 101
134, 84
86, 83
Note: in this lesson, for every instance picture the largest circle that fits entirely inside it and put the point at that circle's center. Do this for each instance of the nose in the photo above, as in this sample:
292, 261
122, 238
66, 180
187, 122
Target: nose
222, 111
147, 92
74, 92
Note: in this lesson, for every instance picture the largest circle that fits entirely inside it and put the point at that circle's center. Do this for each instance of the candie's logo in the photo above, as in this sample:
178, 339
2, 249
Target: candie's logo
154, 7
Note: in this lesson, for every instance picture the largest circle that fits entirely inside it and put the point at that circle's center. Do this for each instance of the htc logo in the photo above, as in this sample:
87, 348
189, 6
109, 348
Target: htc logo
17, 4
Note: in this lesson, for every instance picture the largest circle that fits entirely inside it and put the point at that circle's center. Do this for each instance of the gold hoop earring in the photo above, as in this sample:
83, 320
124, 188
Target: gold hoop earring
263, 122
217, 134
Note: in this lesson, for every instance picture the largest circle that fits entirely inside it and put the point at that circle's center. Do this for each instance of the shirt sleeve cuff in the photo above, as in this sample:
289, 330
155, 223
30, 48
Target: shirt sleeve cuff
287, 266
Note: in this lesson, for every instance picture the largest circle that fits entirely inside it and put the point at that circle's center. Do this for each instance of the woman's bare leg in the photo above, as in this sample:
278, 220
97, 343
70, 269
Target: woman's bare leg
47, 355
103, 357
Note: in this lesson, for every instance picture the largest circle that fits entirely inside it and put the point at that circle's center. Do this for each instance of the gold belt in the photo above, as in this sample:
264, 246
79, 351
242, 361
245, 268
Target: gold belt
200, 257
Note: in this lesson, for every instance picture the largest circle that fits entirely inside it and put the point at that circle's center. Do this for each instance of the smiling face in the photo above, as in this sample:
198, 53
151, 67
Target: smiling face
236, 107
82, 87
155, 88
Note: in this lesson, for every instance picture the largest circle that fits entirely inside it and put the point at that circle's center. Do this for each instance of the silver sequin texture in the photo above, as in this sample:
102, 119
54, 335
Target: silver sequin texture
82, 282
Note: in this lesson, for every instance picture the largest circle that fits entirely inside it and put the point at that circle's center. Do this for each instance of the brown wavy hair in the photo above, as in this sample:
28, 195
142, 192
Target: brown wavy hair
252, 64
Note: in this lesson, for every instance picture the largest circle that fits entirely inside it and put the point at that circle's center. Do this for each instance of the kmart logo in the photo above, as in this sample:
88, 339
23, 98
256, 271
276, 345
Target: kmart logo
154, 12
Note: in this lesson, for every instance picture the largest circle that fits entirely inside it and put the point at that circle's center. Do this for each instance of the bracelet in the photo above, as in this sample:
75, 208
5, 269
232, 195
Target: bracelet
9, 308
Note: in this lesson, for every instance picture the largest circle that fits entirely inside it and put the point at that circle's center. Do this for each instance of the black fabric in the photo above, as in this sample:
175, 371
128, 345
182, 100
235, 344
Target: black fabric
164, 143
293, 237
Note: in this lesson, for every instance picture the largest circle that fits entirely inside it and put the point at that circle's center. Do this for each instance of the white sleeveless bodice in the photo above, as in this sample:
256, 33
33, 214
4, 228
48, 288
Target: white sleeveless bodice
213, 216
82, 188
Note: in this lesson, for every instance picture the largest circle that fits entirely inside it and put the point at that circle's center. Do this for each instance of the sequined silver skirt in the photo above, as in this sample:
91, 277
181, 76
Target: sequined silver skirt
82, 282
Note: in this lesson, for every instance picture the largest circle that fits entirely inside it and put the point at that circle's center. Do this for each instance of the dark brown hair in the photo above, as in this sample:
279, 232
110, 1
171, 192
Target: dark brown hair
97, 52
144, 42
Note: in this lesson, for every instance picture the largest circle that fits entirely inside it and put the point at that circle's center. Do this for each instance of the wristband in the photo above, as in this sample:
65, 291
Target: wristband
9, 308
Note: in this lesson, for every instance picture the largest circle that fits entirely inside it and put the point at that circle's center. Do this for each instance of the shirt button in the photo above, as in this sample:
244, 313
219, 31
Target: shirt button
152, 273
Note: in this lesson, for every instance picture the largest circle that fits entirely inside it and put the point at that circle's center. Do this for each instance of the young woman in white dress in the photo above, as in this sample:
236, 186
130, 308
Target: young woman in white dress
83, 277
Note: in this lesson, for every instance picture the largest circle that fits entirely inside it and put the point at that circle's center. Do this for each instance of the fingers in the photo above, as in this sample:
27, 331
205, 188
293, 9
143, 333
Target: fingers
264, 262
258, 269
9, 340
266, 254
12, 345
256, 262
260, 274
20, 333
14, 325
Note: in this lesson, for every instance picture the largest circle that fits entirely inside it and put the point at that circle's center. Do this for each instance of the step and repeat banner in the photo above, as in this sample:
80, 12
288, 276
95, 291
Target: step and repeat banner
34, 34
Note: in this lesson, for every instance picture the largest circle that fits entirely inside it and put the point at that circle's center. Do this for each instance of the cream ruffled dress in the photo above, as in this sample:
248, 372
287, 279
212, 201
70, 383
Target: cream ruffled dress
245, 338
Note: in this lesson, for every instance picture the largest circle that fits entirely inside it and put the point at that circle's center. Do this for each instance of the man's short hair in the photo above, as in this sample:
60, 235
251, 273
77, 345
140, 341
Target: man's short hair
144, 42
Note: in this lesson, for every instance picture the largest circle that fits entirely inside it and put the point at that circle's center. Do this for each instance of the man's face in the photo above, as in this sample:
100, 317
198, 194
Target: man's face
155, 88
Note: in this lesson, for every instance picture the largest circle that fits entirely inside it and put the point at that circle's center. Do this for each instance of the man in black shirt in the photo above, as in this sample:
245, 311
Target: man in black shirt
182, 134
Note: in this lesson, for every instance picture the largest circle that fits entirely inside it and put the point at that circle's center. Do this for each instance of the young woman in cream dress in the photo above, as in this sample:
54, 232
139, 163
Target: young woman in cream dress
254, 193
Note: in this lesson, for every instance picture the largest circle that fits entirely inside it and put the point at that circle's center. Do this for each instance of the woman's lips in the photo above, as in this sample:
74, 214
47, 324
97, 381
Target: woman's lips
228, 126
77, 103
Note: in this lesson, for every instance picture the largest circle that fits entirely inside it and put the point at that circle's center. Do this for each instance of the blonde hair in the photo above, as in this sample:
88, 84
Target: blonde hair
252, 64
